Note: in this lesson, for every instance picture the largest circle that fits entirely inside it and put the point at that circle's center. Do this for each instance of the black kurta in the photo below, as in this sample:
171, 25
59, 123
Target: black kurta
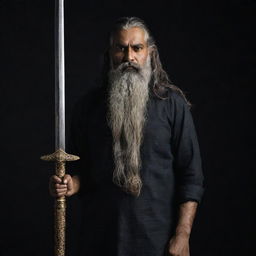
119, 224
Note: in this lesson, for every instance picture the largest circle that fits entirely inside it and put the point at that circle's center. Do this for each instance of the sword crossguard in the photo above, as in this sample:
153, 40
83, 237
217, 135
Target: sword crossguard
59, 156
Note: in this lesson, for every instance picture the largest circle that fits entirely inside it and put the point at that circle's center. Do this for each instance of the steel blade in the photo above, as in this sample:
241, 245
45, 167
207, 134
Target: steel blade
59, 76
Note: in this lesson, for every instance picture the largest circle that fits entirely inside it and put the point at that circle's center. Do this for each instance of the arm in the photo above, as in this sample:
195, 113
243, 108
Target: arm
179, 243
188, 170
187, 212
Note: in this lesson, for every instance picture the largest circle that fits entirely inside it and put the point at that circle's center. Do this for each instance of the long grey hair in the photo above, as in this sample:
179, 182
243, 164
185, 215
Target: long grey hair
128, 96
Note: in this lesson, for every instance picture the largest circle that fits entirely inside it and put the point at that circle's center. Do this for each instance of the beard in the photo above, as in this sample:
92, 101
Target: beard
128, 97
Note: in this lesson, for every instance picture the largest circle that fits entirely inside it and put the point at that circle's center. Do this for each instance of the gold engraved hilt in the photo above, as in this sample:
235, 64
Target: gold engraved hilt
60, 157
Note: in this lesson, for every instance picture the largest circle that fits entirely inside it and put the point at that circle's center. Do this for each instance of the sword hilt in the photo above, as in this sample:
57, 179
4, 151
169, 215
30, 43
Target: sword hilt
60, 157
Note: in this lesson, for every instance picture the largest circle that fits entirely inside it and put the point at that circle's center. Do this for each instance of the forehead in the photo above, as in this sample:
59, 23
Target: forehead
133, 35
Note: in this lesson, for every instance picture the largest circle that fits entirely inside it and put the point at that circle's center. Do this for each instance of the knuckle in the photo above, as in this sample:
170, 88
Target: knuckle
172, 253
57, 179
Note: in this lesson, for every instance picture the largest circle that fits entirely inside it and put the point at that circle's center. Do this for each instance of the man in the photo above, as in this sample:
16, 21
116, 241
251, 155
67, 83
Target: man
140, 174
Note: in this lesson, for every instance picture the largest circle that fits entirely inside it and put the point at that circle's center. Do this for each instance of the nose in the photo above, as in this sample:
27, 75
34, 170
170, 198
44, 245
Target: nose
129, 56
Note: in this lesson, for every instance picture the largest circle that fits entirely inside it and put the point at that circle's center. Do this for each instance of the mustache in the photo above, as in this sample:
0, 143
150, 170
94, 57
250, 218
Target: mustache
124, 66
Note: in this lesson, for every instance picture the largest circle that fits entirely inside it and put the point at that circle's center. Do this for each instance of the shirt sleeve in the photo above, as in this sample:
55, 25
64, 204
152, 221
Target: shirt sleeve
185, 148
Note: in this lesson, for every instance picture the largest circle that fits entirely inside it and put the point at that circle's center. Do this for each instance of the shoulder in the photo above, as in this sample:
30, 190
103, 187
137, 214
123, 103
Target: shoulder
170, 94
176, 101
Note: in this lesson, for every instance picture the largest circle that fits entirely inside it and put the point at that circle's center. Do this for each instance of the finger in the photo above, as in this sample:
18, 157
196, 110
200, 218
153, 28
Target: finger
61, 190
70, 186
55, 193
60, 186
68, 180
56, 179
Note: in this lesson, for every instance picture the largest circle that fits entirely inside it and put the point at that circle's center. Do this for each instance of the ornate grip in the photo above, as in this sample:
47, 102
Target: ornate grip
60, 216
60, 226
60, 157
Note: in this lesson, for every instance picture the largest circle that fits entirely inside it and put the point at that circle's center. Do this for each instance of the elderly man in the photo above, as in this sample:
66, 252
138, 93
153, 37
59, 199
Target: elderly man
139, 177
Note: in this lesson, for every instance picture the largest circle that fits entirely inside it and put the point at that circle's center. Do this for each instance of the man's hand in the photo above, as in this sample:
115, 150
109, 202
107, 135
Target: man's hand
68, 187
179, 245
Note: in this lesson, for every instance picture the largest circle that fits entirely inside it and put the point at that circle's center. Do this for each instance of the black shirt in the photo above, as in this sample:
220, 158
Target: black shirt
116, 223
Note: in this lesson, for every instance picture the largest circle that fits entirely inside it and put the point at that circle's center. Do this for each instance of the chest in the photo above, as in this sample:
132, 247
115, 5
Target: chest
157, 130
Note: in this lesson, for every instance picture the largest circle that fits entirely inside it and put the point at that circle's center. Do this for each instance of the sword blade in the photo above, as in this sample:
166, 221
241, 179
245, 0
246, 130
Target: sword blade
59, 76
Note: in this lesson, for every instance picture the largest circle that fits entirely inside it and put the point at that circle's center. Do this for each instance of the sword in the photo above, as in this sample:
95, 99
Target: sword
59, 156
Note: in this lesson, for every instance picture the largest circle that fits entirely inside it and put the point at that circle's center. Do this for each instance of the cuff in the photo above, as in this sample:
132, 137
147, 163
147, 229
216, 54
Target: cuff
190, 193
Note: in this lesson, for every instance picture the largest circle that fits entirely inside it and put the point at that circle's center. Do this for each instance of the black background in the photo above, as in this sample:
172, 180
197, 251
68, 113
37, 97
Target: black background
207, 49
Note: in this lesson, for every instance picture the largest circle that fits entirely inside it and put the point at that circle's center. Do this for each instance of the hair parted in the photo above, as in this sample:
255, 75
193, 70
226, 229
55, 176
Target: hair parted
160, 79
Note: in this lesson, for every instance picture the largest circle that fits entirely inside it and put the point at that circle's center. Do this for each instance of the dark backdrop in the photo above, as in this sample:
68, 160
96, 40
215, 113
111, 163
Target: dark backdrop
207, 49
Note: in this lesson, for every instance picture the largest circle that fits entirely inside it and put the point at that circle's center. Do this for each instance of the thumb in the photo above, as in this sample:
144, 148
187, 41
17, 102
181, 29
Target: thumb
66, 179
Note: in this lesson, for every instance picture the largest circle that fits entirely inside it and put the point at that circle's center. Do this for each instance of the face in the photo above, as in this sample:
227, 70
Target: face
129, 46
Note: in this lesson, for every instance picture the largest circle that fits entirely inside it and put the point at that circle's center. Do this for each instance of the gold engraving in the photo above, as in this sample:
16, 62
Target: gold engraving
60, 224
60, 157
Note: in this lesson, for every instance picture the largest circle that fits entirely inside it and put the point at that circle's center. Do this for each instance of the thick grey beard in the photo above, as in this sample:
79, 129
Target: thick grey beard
128, 97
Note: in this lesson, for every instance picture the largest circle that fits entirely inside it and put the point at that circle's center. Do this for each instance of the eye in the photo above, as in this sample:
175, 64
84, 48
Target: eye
137, 48
120, 48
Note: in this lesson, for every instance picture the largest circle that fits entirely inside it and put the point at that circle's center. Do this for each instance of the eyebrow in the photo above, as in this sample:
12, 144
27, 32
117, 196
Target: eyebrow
138, 45
133, 45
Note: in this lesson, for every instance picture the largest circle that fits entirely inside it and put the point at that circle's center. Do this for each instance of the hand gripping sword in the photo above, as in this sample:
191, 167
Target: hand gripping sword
59, 156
